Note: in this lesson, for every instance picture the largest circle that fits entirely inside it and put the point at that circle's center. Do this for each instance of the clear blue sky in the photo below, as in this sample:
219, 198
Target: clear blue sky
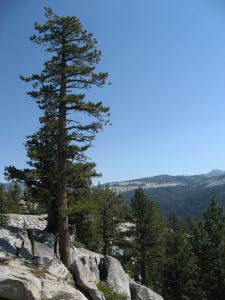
166, 61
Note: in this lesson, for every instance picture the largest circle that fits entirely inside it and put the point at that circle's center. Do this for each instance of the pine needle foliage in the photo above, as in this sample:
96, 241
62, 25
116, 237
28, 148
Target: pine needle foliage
69, 120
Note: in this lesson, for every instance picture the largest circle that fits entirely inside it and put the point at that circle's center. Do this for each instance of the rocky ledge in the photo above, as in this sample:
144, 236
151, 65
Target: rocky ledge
27, 221
38, 275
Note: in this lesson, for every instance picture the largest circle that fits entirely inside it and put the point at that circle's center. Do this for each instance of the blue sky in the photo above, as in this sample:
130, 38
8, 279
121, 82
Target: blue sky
166, 61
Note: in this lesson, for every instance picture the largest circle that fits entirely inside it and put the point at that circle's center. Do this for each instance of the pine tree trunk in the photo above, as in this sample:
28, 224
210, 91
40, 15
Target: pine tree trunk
63, 227
143, 258
52, 225
105, 243
104, 233
143, 270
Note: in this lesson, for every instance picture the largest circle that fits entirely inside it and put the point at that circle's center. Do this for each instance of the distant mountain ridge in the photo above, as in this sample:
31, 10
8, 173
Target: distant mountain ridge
186, 195
215, 172
214, 177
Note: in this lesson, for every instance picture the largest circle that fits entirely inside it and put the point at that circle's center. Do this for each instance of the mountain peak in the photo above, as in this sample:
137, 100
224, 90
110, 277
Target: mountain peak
215, 173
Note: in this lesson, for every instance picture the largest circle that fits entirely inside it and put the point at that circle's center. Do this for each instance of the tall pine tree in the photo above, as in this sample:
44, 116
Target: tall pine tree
181, 271
147, 242
61, 87
209, 246
96, 217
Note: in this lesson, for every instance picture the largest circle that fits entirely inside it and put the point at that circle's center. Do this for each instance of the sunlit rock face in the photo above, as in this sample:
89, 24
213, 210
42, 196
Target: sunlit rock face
37, 275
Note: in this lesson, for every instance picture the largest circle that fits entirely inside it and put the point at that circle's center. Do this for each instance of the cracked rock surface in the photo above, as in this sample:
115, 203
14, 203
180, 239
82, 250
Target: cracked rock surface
34, 275
37, 275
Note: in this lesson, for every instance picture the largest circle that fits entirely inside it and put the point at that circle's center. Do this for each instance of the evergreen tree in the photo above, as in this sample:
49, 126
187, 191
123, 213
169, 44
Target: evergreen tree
40, 177
84, 219
3, 205
209, 246
72, 64
181, 272
191, 226
13, 197
96, 216
9, 201
147, 239
110, 204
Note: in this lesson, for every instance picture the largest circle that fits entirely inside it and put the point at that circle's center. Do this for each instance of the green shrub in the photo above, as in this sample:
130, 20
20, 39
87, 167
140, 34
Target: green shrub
109, 293
78, 244
3, 220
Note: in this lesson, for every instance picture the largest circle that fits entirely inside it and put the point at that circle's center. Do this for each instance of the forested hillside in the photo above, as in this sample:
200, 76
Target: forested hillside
186, 195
